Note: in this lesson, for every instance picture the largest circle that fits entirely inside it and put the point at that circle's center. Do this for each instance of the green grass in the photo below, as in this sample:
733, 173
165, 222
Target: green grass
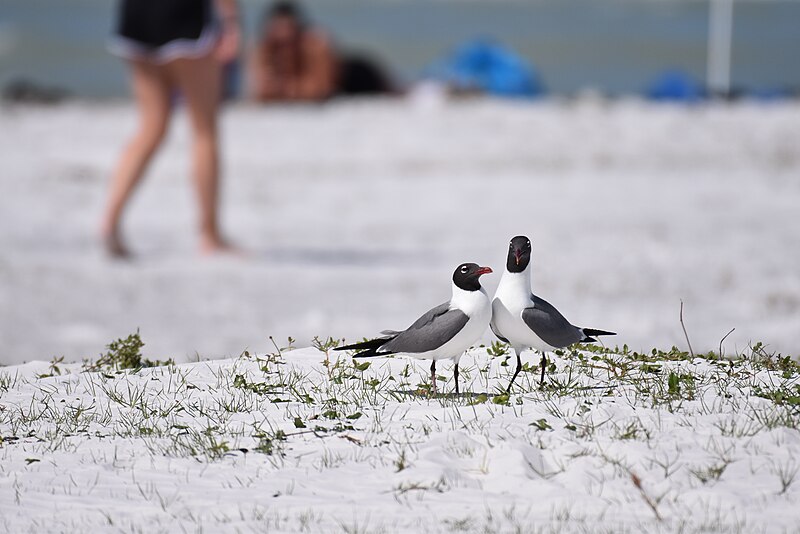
265, 405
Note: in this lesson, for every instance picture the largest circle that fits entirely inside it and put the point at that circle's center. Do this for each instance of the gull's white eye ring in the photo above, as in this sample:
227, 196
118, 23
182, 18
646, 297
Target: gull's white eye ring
464, 269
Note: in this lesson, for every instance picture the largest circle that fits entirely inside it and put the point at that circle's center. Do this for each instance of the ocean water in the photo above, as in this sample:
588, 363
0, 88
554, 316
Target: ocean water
615, 46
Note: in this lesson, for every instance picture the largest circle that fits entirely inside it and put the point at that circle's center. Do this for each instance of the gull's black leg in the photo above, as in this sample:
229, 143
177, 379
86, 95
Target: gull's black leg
433, 376
519, 368
544, 365
455, 375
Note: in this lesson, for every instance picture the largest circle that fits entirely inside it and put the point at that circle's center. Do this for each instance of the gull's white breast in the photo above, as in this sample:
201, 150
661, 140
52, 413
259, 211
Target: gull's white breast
512, 297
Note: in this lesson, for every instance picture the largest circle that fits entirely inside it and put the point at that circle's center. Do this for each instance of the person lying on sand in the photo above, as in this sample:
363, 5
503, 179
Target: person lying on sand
293, 61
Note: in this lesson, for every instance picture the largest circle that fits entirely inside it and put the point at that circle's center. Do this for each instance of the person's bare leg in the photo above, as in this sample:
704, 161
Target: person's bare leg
152, 94
200, 83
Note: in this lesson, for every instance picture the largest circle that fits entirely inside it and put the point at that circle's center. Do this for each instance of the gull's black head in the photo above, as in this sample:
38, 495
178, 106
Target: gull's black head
466, 276
519, 254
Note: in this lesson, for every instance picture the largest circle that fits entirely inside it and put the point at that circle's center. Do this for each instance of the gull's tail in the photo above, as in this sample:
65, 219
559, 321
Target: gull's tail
369, 348
590, 333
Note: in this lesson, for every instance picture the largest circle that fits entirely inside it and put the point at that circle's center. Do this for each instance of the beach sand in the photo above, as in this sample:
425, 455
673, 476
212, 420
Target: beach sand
354, 215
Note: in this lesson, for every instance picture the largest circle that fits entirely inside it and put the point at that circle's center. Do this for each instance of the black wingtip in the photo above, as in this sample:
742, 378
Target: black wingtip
370, 344
371, 353
369, 347
589, 332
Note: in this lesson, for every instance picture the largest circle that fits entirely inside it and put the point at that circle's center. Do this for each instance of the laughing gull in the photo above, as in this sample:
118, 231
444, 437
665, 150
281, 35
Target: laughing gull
524, 320
443, 332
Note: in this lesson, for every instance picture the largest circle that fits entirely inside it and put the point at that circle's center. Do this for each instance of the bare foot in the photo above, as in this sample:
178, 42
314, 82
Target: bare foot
219, 247
114, 246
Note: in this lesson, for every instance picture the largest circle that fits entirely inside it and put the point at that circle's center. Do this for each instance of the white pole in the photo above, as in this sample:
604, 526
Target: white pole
720, 33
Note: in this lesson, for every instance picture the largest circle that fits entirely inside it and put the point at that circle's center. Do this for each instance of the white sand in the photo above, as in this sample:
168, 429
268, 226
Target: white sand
356, 213
199, 448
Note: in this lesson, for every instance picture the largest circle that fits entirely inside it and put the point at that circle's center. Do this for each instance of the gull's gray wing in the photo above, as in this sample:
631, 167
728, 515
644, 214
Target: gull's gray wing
435, 328
547, 323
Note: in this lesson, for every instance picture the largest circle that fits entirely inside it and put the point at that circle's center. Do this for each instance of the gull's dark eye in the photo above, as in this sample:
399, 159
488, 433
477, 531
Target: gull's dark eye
464, 269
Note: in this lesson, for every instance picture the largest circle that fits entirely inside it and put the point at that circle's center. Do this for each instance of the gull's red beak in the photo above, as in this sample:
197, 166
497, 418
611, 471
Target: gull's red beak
484, 270
517, 255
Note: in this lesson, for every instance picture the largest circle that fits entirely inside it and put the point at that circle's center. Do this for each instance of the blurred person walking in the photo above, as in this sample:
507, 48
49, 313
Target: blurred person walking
173, 45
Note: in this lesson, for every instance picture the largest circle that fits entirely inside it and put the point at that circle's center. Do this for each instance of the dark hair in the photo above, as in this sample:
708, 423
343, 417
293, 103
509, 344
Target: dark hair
285, 8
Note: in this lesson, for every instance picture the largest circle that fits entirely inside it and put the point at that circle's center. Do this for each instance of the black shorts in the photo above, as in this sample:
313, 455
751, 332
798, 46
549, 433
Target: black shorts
163, 30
